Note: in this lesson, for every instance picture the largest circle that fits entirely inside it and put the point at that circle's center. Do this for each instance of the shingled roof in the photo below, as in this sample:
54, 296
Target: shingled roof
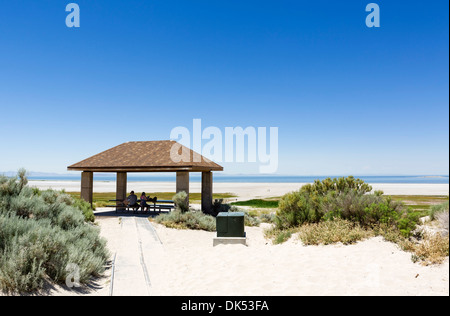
150, 156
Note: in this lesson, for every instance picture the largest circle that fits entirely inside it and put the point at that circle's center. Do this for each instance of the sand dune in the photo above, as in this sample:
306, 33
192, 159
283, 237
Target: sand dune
190, 265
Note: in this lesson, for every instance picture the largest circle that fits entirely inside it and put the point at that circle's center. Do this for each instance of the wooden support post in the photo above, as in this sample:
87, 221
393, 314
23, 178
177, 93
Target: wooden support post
207, 191
183, 183
87, 186
121, 186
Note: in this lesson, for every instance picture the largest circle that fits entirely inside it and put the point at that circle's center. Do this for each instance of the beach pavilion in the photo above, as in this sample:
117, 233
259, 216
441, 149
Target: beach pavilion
148, 156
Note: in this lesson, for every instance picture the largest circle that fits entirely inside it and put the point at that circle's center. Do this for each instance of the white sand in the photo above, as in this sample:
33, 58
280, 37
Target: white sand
373, 267
190, 265
244, 191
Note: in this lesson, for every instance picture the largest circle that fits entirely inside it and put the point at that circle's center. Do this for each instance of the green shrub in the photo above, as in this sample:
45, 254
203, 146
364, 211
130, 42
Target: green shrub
181, 201
343, 198
295, 209
187, 220
40, 234
198, 220
313, 201
61, 198
20, 268
336, 185
282, 236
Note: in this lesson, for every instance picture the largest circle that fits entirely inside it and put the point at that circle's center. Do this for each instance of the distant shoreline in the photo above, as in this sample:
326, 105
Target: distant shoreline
218, 178
244, 191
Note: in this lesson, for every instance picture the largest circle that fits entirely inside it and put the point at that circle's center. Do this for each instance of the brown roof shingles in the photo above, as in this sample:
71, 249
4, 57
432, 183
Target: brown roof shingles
149, 156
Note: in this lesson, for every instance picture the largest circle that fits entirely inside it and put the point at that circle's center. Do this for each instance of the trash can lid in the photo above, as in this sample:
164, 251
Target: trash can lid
230, 214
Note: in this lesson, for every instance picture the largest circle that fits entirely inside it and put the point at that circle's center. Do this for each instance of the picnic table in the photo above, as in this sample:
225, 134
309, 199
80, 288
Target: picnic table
165, 205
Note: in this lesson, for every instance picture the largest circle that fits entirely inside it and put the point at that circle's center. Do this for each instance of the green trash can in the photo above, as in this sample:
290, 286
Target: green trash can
230, 224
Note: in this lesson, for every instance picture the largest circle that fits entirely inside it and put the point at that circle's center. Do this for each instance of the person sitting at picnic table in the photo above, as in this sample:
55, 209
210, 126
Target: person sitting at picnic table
144, 200
131, 200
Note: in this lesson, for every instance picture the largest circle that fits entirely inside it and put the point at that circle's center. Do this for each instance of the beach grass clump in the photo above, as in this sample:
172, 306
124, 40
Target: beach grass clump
331, 232
443, 222
440, 212
279, 236
438, 209
41, 233
432, 249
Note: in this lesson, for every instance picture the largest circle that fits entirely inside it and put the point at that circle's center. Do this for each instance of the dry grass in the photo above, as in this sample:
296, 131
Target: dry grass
443, 222
433, 249
330, 232
429, 249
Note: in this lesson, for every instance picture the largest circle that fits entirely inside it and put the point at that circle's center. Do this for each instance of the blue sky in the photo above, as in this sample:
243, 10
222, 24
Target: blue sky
347, 99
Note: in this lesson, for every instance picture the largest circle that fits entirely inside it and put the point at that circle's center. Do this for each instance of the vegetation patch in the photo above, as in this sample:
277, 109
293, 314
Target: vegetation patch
421, 204
344, 210
257, 203
432, 249
187, 220
41, 234
331, 232
102, 199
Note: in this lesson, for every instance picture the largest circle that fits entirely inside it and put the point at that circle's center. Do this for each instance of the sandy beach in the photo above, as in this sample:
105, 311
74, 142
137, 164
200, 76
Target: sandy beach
185, 263
151, 259
372, 267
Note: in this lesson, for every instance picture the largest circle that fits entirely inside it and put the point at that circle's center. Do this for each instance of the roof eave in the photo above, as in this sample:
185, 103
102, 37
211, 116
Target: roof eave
146, 169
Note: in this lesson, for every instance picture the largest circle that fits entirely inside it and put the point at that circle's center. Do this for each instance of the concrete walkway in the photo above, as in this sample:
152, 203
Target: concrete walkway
139, 253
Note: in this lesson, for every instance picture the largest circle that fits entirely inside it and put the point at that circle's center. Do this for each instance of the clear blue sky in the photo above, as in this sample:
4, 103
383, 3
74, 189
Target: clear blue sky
347, 99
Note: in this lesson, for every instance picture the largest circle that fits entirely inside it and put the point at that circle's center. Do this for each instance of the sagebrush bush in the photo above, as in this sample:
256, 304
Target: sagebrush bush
187, 220
181, 201
343, 198
295, 209
40, 234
